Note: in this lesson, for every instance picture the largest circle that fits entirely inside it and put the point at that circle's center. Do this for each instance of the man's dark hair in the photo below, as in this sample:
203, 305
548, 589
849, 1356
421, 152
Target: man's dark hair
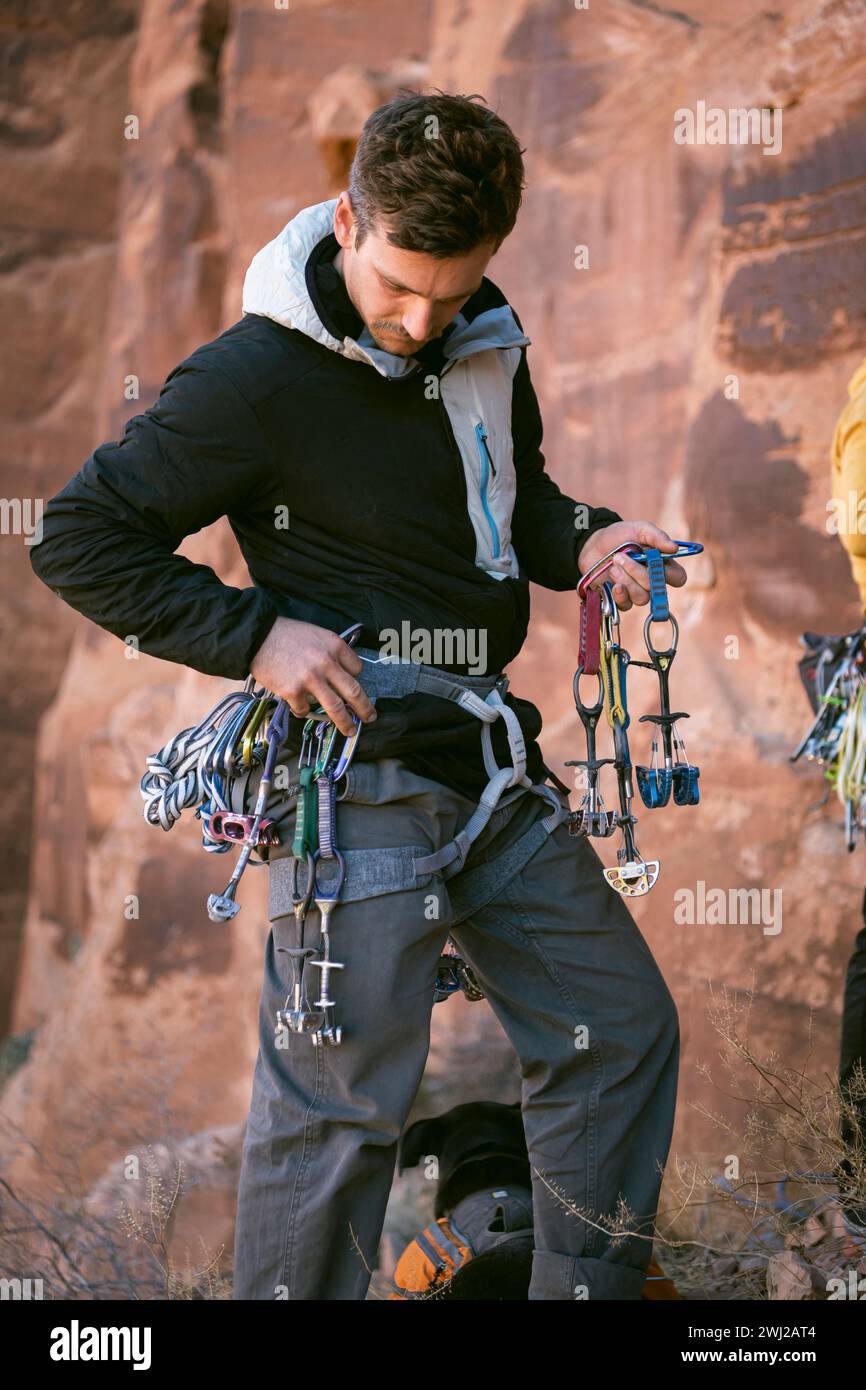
447, 174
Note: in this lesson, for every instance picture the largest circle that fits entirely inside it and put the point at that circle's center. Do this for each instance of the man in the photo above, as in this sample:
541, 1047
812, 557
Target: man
377, 389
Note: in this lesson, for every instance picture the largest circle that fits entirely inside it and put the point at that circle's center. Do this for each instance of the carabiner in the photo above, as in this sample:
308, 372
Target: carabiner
599, 567
251, 728
348, 749
325, 746
684, 548
609, 619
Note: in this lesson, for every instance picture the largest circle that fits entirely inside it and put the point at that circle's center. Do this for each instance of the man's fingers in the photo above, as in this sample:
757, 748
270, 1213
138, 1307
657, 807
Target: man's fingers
299, 702
628, 578
347, 657
335, 690
628, 587
350, 690
654, 536
631, 573
333, 706
675, 574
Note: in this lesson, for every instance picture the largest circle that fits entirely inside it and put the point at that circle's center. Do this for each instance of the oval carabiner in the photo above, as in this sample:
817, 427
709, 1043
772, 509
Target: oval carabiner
347, 752
251, 729
609, 618
600, 567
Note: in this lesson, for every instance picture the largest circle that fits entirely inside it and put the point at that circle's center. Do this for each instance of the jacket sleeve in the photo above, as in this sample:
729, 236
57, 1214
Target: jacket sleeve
109, 536
849, 475
546, 525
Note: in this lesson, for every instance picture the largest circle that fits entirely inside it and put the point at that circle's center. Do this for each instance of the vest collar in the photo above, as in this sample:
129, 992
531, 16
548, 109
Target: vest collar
281, 283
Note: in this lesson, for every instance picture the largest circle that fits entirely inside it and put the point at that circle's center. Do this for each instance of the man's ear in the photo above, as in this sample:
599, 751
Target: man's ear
345, 226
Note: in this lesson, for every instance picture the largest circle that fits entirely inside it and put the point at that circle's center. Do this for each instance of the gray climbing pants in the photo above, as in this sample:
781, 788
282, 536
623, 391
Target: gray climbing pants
569, 977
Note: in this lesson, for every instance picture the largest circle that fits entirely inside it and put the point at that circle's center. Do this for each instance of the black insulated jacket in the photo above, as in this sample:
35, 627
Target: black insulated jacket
408, 494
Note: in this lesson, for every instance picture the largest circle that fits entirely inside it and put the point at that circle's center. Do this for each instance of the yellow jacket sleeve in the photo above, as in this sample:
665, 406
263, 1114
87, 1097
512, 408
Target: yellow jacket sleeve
848, 477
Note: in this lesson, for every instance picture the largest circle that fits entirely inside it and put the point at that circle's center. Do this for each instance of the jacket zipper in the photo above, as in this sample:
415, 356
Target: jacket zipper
483, 450
486, 464
487, 467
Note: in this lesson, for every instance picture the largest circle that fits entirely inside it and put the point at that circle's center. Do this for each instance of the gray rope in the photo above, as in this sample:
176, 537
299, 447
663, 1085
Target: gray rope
187, 771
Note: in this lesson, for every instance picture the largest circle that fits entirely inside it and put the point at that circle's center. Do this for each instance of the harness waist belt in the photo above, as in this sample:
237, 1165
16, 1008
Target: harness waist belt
481, 696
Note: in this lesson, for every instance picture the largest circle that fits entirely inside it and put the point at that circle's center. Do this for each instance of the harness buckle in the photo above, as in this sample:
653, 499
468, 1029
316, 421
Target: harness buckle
478, 705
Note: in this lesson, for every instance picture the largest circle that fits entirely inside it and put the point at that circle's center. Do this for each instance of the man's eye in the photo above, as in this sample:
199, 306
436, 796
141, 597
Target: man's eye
397, 289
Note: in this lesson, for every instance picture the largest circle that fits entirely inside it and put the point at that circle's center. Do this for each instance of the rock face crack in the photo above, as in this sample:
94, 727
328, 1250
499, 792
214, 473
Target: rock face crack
205, 96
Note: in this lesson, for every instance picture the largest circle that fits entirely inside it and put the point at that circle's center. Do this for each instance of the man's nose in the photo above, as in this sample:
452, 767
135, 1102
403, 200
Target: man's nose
418, 320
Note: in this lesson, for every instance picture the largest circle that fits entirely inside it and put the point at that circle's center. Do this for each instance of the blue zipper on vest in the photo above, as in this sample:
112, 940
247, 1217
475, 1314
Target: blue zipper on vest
486, 469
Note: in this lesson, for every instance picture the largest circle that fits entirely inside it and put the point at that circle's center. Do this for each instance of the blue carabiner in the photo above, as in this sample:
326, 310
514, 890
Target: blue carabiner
348, 750
278, 730
684, 548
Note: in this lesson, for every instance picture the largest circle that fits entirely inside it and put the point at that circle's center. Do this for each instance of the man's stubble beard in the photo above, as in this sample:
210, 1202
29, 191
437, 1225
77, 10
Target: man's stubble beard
396, 350
374, 326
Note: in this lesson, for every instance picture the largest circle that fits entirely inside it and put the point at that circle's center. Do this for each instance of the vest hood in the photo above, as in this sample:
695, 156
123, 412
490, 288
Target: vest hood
275, 287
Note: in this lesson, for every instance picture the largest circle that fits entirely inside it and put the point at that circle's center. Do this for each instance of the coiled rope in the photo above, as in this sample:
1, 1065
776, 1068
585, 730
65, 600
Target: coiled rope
196, 766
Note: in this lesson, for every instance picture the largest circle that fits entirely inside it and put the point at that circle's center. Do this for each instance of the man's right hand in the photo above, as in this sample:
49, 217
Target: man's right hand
308, 665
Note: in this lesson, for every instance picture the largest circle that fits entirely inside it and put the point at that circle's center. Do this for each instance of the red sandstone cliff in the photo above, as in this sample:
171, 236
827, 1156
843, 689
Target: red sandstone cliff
706, 263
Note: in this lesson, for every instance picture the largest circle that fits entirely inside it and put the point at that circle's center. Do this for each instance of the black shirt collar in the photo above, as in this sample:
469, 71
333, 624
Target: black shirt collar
327, 289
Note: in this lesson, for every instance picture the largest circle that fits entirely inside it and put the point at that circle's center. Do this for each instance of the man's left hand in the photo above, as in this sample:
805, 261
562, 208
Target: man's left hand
630, 579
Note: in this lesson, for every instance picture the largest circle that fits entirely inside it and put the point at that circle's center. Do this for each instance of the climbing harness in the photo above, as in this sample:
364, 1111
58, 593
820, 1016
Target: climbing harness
601, 654
833, 671
387, 678
207, 765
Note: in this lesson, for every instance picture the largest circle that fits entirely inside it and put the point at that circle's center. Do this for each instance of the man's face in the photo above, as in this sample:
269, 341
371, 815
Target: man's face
406, 298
